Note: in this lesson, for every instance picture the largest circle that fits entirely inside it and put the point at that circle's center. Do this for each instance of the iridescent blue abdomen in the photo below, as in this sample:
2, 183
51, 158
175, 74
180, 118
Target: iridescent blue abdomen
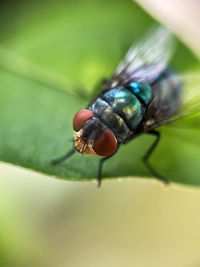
142, 91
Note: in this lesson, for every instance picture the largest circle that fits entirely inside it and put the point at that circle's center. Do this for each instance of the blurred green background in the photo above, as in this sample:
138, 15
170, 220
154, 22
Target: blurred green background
49, 222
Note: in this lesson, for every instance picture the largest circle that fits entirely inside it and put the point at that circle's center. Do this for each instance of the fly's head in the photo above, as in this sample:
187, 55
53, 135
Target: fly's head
91, 137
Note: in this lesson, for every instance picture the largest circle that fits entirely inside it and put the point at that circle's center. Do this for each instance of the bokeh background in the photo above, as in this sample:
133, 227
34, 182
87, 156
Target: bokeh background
128, 222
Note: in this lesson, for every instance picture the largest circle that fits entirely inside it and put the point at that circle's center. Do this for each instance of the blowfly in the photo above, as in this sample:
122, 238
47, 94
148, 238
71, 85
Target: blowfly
143, 94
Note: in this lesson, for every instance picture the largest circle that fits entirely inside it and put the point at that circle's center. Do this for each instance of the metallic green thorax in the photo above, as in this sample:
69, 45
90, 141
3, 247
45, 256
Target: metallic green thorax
126, 105
120, 109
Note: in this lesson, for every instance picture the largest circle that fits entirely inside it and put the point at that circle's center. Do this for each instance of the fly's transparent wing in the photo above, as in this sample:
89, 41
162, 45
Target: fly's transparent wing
190, 97
189, 103
145, 60
154, 48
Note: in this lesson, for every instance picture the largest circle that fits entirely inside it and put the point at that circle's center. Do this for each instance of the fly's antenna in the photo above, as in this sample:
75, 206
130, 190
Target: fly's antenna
64, 157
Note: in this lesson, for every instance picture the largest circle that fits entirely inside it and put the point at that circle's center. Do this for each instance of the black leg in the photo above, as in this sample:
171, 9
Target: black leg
64, 157
101, 162
148, 154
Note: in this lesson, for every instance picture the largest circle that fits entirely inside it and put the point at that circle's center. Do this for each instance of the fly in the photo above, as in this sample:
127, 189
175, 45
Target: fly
143, 94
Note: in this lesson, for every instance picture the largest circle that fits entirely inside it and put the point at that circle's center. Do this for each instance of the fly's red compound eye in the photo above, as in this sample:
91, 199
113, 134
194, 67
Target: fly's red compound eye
106, 144
80, 118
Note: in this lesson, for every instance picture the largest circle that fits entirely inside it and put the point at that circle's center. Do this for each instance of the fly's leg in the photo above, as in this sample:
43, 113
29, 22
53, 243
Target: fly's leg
148, 154
101, 162
64, 157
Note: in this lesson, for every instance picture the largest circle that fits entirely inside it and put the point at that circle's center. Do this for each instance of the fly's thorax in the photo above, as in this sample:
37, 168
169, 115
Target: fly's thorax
126, 105
112, 120
121, 109
91, 136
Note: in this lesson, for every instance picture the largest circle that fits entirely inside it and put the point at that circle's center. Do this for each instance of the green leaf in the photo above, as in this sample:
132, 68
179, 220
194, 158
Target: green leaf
51, 54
